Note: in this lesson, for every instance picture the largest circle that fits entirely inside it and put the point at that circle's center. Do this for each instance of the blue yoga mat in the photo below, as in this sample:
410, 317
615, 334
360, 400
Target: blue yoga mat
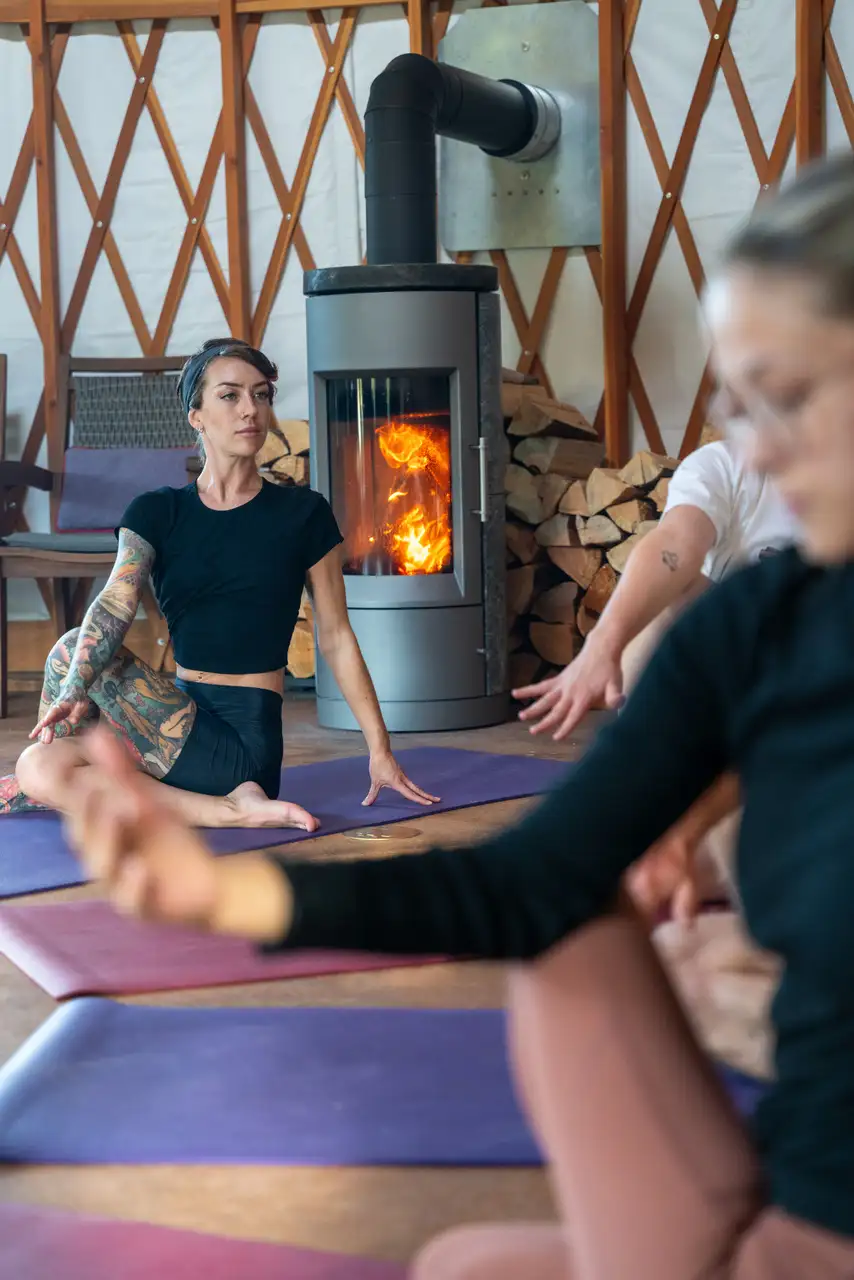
109, 1083
103, 1082
34, 855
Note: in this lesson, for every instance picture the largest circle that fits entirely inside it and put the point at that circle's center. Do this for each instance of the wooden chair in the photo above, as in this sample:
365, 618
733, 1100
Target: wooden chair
118, 410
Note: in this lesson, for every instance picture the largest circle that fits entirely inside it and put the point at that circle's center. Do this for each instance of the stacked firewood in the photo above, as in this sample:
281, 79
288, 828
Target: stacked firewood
283, 458
571, 526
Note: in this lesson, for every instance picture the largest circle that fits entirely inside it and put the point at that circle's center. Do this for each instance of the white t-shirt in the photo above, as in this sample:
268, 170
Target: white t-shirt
748, 514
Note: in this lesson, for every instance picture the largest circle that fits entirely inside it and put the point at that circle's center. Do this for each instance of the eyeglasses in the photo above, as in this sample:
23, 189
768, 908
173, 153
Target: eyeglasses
744, 420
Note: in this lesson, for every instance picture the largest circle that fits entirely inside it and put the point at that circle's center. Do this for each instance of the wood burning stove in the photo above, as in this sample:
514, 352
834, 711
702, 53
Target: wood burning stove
407, 438
407, 443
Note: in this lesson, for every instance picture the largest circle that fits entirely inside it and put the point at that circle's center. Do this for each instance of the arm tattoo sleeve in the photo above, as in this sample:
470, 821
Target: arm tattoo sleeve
110, 615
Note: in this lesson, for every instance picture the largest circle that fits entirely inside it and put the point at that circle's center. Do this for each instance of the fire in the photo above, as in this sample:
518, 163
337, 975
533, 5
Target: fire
419, 538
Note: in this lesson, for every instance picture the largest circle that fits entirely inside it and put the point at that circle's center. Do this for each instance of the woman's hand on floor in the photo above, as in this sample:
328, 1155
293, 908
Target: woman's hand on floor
386, 772
153, 865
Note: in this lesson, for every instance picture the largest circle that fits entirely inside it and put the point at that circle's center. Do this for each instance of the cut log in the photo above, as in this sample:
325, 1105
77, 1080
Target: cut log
557, 642
618, 557
574, 459
578, 563
604, 488
274, 447
521, 497
628, 515
524, 669
521, 541
658, 494
600, 590
551, 489
557, 604
520, 590
557, 531
513, 393
516, 638
290, 470
574, 501
598, 531
537, 416
296, 432
301, 651
585, 620
645, 468
306, 608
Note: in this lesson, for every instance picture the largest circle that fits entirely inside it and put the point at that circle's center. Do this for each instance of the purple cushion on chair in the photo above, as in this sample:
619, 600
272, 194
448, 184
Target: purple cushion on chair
99, 484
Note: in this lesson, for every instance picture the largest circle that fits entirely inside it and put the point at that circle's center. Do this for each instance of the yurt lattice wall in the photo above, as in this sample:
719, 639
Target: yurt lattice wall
168, 168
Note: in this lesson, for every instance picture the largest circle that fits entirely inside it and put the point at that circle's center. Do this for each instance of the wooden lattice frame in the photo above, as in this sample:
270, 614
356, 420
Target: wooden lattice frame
47, 26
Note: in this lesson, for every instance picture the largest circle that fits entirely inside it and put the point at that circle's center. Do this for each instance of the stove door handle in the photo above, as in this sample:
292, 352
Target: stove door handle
483, 468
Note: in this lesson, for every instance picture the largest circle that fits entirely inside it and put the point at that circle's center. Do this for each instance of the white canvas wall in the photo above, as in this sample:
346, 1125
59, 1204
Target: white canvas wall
286, 73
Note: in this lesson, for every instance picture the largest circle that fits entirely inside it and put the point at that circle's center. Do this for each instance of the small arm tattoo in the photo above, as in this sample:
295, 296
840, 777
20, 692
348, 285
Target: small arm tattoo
670, 559
109, 618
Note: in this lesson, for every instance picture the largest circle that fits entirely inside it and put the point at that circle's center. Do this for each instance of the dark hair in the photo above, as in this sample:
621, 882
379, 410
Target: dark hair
806, 228
191, 383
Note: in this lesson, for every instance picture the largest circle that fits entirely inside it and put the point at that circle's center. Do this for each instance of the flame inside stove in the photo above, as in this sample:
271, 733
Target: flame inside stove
417, 530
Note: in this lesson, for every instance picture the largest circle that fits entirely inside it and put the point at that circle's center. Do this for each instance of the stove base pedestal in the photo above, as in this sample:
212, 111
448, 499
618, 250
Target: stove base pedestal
421, 717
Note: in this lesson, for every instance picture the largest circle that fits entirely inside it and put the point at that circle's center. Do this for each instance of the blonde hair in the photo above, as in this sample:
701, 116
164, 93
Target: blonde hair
807, 229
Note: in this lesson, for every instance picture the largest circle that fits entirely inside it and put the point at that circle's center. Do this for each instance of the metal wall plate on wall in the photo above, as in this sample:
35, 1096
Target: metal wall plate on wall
486, 203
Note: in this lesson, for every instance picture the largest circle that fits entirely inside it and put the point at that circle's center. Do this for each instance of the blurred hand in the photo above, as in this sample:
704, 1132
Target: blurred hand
150, 862
593, 680
667, 876
386, 772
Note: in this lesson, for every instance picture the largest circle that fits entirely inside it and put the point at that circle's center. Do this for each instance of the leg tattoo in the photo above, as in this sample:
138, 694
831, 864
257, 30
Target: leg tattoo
147, 709
12, 798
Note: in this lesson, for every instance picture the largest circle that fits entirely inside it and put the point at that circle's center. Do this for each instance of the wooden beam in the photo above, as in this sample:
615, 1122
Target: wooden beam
234, 149
809, 80
612, 135
420, 19
39, 41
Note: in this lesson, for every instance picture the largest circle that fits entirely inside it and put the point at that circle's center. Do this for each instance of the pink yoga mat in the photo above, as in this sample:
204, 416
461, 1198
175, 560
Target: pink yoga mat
87, 948
46, 1244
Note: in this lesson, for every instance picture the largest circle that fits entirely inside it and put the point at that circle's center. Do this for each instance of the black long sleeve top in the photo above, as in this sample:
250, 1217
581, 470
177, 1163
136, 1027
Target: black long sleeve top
758, 677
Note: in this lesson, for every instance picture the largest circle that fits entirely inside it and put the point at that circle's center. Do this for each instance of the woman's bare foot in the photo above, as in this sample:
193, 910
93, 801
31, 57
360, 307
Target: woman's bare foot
12, 798
252, 808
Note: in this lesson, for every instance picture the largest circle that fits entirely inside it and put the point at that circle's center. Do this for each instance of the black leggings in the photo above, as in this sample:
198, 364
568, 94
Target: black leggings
236, 737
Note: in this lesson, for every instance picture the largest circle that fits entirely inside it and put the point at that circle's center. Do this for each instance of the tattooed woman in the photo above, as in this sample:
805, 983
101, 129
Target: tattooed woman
214, 734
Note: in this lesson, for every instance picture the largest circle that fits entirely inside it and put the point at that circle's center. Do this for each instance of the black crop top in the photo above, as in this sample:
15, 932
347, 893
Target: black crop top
229, 583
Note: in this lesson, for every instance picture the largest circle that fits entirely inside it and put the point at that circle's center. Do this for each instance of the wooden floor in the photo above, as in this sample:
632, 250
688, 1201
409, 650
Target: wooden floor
385, 1213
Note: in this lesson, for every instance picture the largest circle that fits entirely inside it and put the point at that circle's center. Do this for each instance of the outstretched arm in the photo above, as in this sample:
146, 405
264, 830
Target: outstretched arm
340, 648
665, 565
102, 632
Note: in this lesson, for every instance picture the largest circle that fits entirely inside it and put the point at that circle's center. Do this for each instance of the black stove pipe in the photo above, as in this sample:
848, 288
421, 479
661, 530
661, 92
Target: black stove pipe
410, 102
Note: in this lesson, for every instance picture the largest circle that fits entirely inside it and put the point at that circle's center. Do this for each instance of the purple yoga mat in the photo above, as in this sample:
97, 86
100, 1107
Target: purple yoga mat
87, 948
47, 1244
35, 857
107, 1083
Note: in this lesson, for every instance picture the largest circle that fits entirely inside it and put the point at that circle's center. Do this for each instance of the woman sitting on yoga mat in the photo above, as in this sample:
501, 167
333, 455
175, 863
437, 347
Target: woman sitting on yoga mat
654, 1176
228, 556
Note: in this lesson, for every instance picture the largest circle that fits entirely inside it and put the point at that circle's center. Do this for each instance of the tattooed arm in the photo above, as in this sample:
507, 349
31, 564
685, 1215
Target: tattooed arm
101, 634
663, 567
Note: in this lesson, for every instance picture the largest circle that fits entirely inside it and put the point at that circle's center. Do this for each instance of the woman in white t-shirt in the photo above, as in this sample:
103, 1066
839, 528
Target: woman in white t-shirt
719, 515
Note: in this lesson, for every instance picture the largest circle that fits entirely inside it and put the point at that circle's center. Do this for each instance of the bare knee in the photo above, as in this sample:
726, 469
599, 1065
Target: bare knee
43, 770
